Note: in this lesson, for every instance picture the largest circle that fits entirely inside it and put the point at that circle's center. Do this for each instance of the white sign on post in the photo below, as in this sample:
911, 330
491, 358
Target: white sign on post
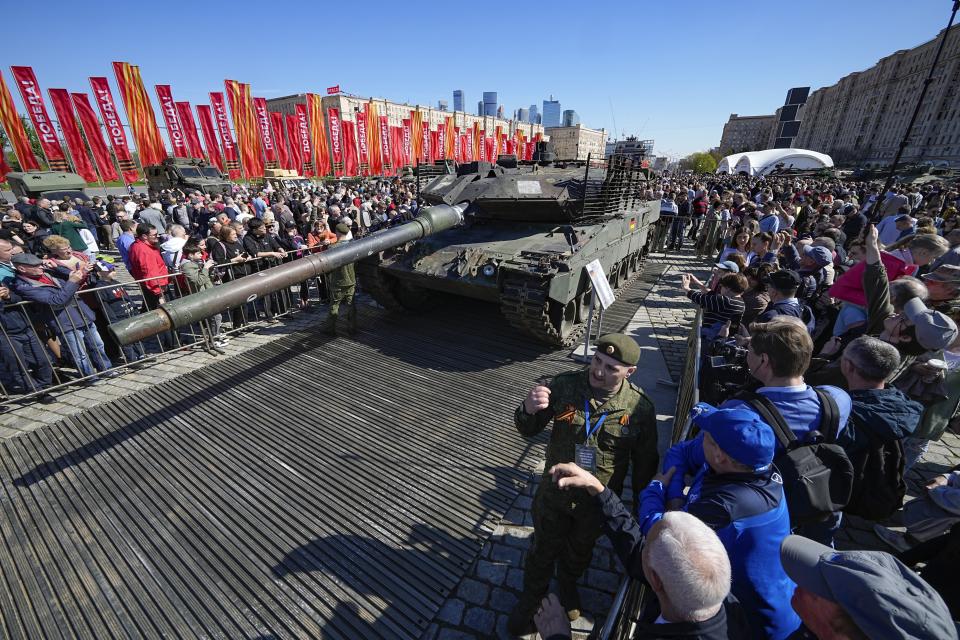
600, 284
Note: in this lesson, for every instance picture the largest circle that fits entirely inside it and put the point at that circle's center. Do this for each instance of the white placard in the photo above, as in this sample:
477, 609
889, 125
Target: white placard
600, 284
529, 188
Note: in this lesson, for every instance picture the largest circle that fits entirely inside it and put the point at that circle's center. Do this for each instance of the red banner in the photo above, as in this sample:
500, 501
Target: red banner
362, 143
468, 153
333, 90
350, 167
441, 146
91, 129
190, 134
490, 148
427, 143
396, 148
210, 135
33, 100
303, 136
318, 134
482, 144
385, 147
266, 136
63, 107
142, 120
407, 140
462, 147
295, 146
174, 131
15, 132
280, 139
336, 145
111, 121
231, 162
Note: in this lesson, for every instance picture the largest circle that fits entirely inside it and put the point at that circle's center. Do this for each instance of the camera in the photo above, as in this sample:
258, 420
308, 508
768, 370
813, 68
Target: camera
725, 371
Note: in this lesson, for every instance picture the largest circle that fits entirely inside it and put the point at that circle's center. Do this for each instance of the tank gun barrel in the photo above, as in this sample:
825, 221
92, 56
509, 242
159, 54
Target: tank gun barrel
193, 308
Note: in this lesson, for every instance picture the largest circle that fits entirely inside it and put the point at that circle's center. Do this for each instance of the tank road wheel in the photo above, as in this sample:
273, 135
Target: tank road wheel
564, 316
410, 296
583, 306
614, 277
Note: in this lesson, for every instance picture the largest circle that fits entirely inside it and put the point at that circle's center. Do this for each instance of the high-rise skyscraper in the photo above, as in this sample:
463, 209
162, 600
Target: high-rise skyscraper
534, 114
490, 103
479, 107
458, 99
442, 105
523, 115
500, 111
570, 118
551, 113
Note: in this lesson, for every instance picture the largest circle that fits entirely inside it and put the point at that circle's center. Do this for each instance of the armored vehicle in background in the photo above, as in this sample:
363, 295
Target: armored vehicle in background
47, 184
281, 180
187, 174
529, 232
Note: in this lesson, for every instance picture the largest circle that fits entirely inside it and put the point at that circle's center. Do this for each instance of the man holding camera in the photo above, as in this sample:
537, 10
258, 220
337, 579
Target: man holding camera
603, 423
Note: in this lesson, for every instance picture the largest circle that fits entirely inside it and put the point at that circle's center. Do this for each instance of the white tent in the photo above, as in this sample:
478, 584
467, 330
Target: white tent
727, 164
759, 163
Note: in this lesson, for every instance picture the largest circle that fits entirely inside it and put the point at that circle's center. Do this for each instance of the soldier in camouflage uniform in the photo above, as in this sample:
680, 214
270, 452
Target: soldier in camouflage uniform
622, 429
341, 287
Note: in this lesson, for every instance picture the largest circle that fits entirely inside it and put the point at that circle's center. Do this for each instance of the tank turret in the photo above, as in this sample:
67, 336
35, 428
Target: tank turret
530, 230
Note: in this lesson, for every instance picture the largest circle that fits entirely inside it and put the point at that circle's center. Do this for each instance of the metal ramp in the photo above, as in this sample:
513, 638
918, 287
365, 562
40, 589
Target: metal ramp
308, 488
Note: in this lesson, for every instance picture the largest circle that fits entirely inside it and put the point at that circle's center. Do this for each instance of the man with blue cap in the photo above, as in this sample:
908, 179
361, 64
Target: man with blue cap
737, 492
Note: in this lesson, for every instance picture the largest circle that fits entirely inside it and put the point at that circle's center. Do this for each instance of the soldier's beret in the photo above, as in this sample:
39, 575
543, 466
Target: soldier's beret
342, 228
619, 347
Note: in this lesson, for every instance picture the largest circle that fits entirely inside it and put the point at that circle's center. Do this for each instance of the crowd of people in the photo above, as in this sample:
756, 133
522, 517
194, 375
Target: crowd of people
830, 361
59, 261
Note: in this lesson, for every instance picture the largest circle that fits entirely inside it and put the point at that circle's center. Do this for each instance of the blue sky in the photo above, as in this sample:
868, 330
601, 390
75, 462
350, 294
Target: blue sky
673, 71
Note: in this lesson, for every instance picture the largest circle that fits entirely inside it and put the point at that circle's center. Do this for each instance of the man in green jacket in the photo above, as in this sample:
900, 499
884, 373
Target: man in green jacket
341, 287
602, 422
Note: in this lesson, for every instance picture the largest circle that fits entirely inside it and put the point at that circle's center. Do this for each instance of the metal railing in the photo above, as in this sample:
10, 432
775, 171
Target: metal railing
46, 348
633, 595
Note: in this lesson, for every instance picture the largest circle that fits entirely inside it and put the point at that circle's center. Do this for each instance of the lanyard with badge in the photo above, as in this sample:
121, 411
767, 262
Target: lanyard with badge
585, 454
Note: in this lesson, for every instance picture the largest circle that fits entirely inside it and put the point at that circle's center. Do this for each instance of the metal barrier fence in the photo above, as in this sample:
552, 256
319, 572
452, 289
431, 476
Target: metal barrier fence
45, 348
632, 596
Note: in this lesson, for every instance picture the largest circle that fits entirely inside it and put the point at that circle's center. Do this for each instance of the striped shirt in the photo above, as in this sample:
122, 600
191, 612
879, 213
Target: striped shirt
718, 309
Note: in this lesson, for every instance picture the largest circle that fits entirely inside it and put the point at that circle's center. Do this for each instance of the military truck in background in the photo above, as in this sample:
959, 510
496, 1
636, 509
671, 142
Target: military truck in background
187, 174
281, 180
47, 184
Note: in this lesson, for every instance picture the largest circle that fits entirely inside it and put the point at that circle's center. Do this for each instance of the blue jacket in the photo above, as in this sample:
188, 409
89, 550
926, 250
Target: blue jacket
57, 304
749, 513
791, 307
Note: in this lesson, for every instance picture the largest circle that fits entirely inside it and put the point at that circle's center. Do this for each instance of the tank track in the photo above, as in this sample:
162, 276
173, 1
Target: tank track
524, 303
373, 281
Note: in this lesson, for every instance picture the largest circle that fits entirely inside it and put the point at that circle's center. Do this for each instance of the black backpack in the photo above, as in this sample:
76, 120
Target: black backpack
878, 486
817, 474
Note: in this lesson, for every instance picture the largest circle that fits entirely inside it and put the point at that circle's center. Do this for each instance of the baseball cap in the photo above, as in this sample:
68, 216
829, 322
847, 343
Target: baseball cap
820, 255
784, 279
343, 228
905, 216
880, 594
740, 433
944, 273
26, 259
728, 265
934, 330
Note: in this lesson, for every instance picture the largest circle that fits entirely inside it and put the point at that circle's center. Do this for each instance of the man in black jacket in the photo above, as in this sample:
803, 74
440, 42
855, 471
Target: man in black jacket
692, 588
260, 244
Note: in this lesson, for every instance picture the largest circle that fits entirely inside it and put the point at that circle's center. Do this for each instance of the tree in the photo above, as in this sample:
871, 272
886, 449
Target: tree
699, 162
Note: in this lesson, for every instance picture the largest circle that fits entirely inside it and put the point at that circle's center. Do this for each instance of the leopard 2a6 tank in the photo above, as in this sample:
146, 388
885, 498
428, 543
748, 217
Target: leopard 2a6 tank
529, 232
